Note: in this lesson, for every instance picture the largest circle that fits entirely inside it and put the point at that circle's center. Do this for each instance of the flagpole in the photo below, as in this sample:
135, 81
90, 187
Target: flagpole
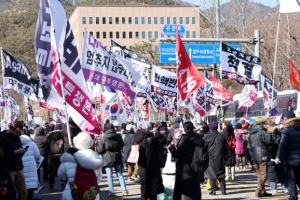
275, 56
221, 79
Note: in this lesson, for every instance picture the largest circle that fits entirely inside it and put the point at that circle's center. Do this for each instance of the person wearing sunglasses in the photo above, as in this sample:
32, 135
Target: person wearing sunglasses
12, 149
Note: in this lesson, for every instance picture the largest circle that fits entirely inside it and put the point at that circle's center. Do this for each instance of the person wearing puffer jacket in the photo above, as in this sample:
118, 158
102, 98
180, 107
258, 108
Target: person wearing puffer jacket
29, 162
40, 140
239, 148
83, 155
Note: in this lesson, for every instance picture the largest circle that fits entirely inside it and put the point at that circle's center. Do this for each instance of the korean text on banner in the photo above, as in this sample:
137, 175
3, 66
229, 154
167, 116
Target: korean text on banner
199, 104
220, 92
248, 97
188, 77
238, 66
57, 49
267, 88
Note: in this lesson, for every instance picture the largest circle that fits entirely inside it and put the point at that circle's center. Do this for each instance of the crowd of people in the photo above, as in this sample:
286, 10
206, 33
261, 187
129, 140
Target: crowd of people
164, 167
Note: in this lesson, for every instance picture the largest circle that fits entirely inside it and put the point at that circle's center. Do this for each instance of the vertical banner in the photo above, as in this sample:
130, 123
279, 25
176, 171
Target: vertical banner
30, 113
248, 97
267, 88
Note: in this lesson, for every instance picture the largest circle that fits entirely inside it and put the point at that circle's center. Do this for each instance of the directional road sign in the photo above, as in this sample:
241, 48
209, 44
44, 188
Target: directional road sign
198, 53
170, 30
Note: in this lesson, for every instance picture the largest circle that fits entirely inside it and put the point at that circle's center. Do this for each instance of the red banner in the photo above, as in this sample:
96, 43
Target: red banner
220, 91
294, 76
188, 77
46, 106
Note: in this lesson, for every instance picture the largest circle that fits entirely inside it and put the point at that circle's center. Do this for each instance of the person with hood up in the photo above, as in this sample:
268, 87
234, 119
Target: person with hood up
258, 146
110, 148
148, 162
187, 181
217, 153
30, 170
128, 141
40, 141
176, 125
74, 130
84, 156
239, 148
289, 152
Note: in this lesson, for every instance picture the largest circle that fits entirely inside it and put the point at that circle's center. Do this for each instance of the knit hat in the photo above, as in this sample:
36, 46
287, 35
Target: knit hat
83, 141
289, 114
213, 125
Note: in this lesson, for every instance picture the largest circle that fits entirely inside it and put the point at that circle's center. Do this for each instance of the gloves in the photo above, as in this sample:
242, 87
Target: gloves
277, 161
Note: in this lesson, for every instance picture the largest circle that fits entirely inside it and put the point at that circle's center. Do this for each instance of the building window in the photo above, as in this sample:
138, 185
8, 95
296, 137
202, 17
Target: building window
162, 21
97, 34
149, 34
187, 20
180, 20
155, 20
104, 35
174, 20
91, 33
168, 20
187, 34
103, 20
156, 34
110, 20
97, 20
124, 34
136, 20
136, 35
143, 34
117, 34
130, 34
129, 20
123, 20
84, 20
194, 34
91, 20
149, 20
162, 35
143, 20
117, 20
110, 35
193, 20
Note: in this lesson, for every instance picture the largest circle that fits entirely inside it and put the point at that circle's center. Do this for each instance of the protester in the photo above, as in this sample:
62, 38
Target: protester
79, 154
128, 141
110, 148
40, 140
289, 152
176, 125
29, 162
239, 148
7, 188
74, 130
187, 181
12, 149
217, 147
149, 166
259, 141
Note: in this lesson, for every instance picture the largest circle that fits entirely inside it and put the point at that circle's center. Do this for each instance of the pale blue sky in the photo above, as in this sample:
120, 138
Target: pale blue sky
270, 3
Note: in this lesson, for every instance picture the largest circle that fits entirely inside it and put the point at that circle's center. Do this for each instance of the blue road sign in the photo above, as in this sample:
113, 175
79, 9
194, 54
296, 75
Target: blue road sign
170, 30
198, 53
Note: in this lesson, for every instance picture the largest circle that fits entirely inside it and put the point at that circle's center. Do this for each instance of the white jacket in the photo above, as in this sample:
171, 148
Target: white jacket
29, 162
87, 158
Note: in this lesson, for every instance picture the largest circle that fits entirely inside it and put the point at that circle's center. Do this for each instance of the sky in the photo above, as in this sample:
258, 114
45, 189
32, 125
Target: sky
270, 3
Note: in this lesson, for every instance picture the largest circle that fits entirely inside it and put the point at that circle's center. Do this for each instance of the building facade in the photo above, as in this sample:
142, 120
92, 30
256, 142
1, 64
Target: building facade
129, 25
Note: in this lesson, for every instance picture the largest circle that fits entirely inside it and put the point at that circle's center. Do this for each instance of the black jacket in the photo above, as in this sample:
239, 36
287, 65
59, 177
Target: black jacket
187, 182
128, 141
9, 143
110, 148
259, 143
5, 179
74, 130
230, 153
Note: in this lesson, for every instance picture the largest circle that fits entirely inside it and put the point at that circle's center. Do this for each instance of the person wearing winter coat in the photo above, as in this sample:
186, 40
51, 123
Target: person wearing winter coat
187, 181
230, 163
110, 148
176, 125
149, 167
7, 188
217, 147
40, 141
258, 143
239, 148
84, 156
29, 162
74, 130
289, 152
128, 141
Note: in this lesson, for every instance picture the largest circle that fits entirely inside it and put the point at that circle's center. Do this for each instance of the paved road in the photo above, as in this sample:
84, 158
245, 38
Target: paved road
242, 188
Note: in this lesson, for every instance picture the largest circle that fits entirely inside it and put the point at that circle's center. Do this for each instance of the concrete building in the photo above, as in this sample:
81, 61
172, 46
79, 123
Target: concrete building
128, 25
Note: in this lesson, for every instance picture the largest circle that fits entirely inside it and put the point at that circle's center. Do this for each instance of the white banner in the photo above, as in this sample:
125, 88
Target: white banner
200, 104
248, 97
267, 88
289, 6
30, 113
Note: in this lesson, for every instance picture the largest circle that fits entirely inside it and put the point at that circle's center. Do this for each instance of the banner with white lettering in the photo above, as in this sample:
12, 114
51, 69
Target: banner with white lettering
11, 110
30, 113
58, 114
127, 105
239, 66
200, 104
267, 88
248, 97
16, 75
220, 92
55, 48
3, 97
163, 82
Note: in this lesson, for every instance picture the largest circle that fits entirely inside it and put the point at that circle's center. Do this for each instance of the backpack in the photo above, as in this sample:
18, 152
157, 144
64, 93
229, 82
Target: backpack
200, 159
56, 148
85, 186
231, 142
